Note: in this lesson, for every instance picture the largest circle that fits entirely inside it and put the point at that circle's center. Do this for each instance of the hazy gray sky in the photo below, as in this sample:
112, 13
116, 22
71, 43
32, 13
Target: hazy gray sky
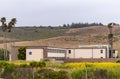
58, 12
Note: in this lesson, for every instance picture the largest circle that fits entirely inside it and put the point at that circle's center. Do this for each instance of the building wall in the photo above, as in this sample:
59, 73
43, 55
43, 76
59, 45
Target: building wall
99, 53
34, 54
115, 54
14, 53
103, 46
86, 53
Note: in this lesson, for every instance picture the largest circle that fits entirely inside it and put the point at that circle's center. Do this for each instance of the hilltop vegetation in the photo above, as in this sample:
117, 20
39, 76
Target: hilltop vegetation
44, 32
34, 33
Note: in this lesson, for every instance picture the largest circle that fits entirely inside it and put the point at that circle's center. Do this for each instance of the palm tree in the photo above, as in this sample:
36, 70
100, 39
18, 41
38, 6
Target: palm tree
110, 38
4, 26
110, 27
10, 25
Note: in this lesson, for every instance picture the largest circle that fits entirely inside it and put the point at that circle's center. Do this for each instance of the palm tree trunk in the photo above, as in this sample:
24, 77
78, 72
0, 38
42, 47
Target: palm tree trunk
5, 46
10, 42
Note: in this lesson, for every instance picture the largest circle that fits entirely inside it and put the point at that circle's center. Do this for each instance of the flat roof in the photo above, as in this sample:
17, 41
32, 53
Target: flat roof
80, 47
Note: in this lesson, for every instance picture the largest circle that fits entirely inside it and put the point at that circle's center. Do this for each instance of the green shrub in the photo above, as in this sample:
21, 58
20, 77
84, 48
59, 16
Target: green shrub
52, 74
3, 64
48, 74
23, 65
82, 73
101, 74
33, 64
8, 69
37, 64
22, 53
62, 74
78, 74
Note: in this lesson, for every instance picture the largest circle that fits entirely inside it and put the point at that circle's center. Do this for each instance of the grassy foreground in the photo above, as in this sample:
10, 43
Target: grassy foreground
53, 70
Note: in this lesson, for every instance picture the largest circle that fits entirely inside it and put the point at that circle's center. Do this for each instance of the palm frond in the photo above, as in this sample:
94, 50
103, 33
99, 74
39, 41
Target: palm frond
13, 20
3, 19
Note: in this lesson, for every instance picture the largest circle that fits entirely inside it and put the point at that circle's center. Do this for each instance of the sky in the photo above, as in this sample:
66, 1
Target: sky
59, 12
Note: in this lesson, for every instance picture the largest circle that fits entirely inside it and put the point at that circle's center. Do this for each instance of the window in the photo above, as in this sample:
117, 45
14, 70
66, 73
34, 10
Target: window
69, 51
101, 51
30, 53
56, 51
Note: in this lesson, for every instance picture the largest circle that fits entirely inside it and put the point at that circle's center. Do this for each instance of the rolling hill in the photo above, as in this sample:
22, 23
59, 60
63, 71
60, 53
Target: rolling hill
62, 37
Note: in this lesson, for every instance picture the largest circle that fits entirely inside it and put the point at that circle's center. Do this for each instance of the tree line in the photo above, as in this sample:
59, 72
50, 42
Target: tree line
79, 25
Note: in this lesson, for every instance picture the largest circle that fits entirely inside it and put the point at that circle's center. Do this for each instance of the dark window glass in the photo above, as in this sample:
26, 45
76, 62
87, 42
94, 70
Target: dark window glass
30, 53
101, 51
69, 51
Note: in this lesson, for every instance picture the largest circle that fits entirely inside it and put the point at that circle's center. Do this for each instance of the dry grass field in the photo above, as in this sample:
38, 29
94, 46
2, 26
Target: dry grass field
73, 37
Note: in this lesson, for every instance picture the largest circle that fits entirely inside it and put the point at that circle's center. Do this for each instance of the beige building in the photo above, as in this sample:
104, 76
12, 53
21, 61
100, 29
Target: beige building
37, 53
89, 51
34, 54
40, 53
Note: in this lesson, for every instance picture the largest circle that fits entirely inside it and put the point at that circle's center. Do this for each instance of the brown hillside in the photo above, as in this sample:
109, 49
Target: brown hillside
77, 36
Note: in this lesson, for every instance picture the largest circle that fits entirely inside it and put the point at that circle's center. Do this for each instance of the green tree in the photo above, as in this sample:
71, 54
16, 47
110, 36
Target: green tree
22, 53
